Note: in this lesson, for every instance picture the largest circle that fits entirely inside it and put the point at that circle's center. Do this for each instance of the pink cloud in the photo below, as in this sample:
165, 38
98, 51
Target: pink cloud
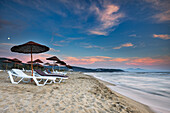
110, 61
146, 61
57, 44
164, 16
98, 32
7, 44
124, 45
108, 17
162, 36
54, 50
119, 59
92, 60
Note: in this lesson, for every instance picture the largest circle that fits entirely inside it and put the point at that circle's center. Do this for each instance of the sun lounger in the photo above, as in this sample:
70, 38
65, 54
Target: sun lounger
55, 72
20, 74
60, 77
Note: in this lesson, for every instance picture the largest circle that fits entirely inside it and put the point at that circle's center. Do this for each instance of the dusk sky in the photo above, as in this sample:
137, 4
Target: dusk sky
90, 33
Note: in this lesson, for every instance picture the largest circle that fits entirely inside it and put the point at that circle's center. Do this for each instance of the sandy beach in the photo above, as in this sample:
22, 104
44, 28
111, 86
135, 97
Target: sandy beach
79, 94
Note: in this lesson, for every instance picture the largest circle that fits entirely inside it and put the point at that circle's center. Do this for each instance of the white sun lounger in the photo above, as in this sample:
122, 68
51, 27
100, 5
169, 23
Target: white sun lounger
57, 72
45, 74
19, 74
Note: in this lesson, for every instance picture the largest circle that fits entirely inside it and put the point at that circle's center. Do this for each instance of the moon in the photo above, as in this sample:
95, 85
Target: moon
9, 38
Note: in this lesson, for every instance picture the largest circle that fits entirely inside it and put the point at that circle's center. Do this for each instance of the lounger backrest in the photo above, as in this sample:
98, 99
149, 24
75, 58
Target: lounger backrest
19, 72
47, 70
40, 72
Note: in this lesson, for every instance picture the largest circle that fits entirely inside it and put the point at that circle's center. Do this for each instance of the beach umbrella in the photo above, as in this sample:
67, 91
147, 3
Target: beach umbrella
53, 58
6, 61
18, 64
60, 63
30, 48
29, 63
15, 60
47, 64
37, 61
68, 66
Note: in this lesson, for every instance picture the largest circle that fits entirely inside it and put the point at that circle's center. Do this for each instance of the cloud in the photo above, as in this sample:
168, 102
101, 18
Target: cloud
42, 6
145, 61
104, 61
132, 35
119, 59
108, 17
124, 45
98, 32
7, 44
54, 50
59, 35
87, 45
57, 44
164, 16
162, 36
67, 40
163, 9
92, 60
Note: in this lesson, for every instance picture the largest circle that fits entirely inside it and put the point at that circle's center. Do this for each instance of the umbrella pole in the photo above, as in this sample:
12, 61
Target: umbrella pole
31, 62
6, 66
53, 66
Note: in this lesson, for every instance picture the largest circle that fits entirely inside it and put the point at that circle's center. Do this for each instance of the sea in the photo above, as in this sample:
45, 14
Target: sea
149, 88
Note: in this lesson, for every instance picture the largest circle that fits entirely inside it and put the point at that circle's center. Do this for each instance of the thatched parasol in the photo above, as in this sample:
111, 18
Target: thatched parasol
47, 64
37, 61
15, 60
30, 48
53, 58
60, 63
68, 66
6, 61
18, 64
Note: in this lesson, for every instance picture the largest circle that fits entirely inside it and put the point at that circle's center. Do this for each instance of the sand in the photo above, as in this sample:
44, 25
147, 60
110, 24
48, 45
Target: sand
79, 94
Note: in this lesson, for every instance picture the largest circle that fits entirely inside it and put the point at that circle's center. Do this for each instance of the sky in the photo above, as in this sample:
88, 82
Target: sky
90, 33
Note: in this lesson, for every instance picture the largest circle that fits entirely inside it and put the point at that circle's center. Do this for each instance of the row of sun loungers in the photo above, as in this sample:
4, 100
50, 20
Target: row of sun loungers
39, 77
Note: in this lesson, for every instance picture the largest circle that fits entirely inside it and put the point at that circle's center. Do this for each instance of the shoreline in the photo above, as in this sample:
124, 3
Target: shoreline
130, 101
156, 103
80, 94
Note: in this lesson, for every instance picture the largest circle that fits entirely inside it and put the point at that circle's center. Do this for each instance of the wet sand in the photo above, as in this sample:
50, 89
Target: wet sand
79, 94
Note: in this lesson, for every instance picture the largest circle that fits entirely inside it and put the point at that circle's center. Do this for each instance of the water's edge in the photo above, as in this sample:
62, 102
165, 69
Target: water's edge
157, 103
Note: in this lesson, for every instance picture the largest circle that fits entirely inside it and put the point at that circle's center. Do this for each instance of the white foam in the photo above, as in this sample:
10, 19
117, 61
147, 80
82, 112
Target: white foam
146, 84
158, 103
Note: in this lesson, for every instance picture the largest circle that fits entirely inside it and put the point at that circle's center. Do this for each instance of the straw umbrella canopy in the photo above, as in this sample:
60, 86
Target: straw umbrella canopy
37, 61
61, 63
6, 61
30, 48
47, 64
15, 60
53, 58
18, 64
68, 66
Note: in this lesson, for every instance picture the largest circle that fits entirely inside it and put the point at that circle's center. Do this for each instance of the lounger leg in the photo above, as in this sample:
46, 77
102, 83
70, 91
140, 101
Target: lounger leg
38, 84
60, 80
12, 80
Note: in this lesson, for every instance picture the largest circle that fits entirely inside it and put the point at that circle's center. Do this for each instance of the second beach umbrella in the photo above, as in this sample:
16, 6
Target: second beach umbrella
30, 48
37, 61
6, 61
